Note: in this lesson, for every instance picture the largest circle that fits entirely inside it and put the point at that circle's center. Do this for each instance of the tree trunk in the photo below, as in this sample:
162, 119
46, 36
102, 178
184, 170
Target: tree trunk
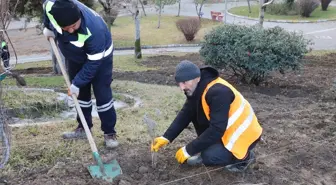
179, 8
261, 13
325, 4
200, 9
137, 36
249, 5
159, 22
137, 43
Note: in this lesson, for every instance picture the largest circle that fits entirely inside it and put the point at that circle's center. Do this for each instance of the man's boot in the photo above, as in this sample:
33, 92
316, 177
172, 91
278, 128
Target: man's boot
78, 133
243, 165
110, 141
195, 160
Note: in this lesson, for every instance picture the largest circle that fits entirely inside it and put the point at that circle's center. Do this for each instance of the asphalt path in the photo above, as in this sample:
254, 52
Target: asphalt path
323, 34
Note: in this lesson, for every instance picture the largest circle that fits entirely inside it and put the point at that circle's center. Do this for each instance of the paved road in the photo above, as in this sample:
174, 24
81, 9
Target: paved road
323, 34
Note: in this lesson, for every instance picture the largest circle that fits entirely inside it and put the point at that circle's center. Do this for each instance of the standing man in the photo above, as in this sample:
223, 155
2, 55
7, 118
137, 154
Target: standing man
86, 43
225, 123
5, 56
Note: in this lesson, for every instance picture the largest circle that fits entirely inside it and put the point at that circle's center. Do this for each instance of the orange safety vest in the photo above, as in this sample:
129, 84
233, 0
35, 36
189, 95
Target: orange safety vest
242, 127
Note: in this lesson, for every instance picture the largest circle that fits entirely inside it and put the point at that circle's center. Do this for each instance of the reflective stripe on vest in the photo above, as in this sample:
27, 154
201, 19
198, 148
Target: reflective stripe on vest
51, 18
242, 127
81, 39
3, 44
102, 54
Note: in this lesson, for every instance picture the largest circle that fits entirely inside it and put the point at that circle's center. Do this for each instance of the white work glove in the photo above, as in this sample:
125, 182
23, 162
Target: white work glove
73, 90
48, 33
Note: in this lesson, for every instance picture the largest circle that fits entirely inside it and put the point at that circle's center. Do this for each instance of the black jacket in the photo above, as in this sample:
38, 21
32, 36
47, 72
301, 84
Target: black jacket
219, 98
5, 53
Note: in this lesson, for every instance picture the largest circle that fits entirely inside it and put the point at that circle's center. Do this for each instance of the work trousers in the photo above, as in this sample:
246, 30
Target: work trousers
102, 90
5, 56
218, 155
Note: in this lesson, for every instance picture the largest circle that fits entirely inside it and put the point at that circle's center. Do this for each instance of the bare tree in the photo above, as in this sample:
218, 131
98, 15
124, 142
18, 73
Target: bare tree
110, 11
262, 10
159, 4
8, 8
199, 7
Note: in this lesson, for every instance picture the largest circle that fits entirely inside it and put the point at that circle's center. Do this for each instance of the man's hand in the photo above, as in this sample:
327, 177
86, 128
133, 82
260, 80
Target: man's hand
158, 143
73, 90
182, 155
48, 33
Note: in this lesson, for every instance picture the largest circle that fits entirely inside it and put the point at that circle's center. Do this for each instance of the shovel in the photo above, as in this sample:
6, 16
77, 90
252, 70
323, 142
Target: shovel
100, 171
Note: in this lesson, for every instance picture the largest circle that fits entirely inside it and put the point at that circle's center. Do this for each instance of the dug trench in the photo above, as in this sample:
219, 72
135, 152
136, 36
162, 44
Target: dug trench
296, 111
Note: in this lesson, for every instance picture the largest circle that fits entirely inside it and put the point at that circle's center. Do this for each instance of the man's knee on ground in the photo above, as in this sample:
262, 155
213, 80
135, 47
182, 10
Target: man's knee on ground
211, 158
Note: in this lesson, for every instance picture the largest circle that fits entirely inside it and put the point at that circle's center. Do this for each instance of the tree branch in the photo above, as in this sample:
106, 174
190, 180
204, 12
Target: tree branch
263, 6
9, 15
103, 4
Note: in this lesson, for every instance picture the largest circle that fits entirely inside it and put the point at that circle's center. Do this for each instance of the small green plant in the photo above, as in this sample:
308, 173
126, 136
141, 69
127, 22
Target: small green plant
189, 27
33, 130
251, 53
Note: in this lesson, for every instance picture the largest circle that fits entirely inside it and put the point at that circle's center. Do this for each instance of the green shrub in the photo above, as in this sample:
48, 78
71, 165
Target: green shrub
251, 53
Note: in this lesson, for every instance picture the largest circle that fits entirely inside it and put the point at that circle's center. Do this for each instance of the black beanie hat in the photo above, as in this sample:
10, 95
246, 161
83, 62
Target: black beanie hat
186, 71
65, 12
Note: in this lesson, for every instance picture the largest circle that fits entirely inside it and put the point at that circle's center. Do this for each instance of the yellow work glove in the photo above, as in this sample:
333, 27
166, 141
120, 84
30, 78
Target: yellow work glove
158, 143
182, 155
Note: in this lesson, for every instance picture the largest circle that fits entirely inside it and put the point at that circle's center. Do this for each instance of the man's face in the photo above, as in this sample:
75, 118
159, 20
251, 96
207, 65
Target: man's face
189, 86
72, 28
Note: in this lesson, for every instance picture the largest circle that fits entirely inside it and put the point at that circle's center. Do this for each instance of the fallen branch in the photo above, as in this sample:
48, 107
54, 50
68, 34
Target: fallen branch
206, 170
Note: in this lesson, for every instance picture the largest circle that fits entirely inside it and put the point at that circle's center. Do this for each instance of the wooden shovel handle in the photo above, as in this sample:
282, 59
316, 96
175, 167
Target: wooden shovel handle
79, 110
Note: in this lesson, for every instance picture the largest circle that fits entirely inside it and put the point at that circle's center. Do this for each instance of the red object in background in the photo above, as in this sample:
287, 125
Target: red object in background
220, 17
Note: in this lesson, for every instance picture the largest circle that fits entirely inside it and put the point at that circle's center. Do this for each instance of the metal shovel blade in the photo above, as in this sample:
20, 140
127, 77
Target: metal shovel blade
111, 170
2, 76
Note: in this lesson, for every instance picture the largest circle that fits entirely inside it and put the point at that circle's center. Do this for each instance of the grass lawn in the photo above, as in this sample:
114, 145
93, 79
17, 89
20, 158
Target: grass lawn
18, 98
28, 104
123, 31
121, 63
316, 15
46, 143
33, 64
